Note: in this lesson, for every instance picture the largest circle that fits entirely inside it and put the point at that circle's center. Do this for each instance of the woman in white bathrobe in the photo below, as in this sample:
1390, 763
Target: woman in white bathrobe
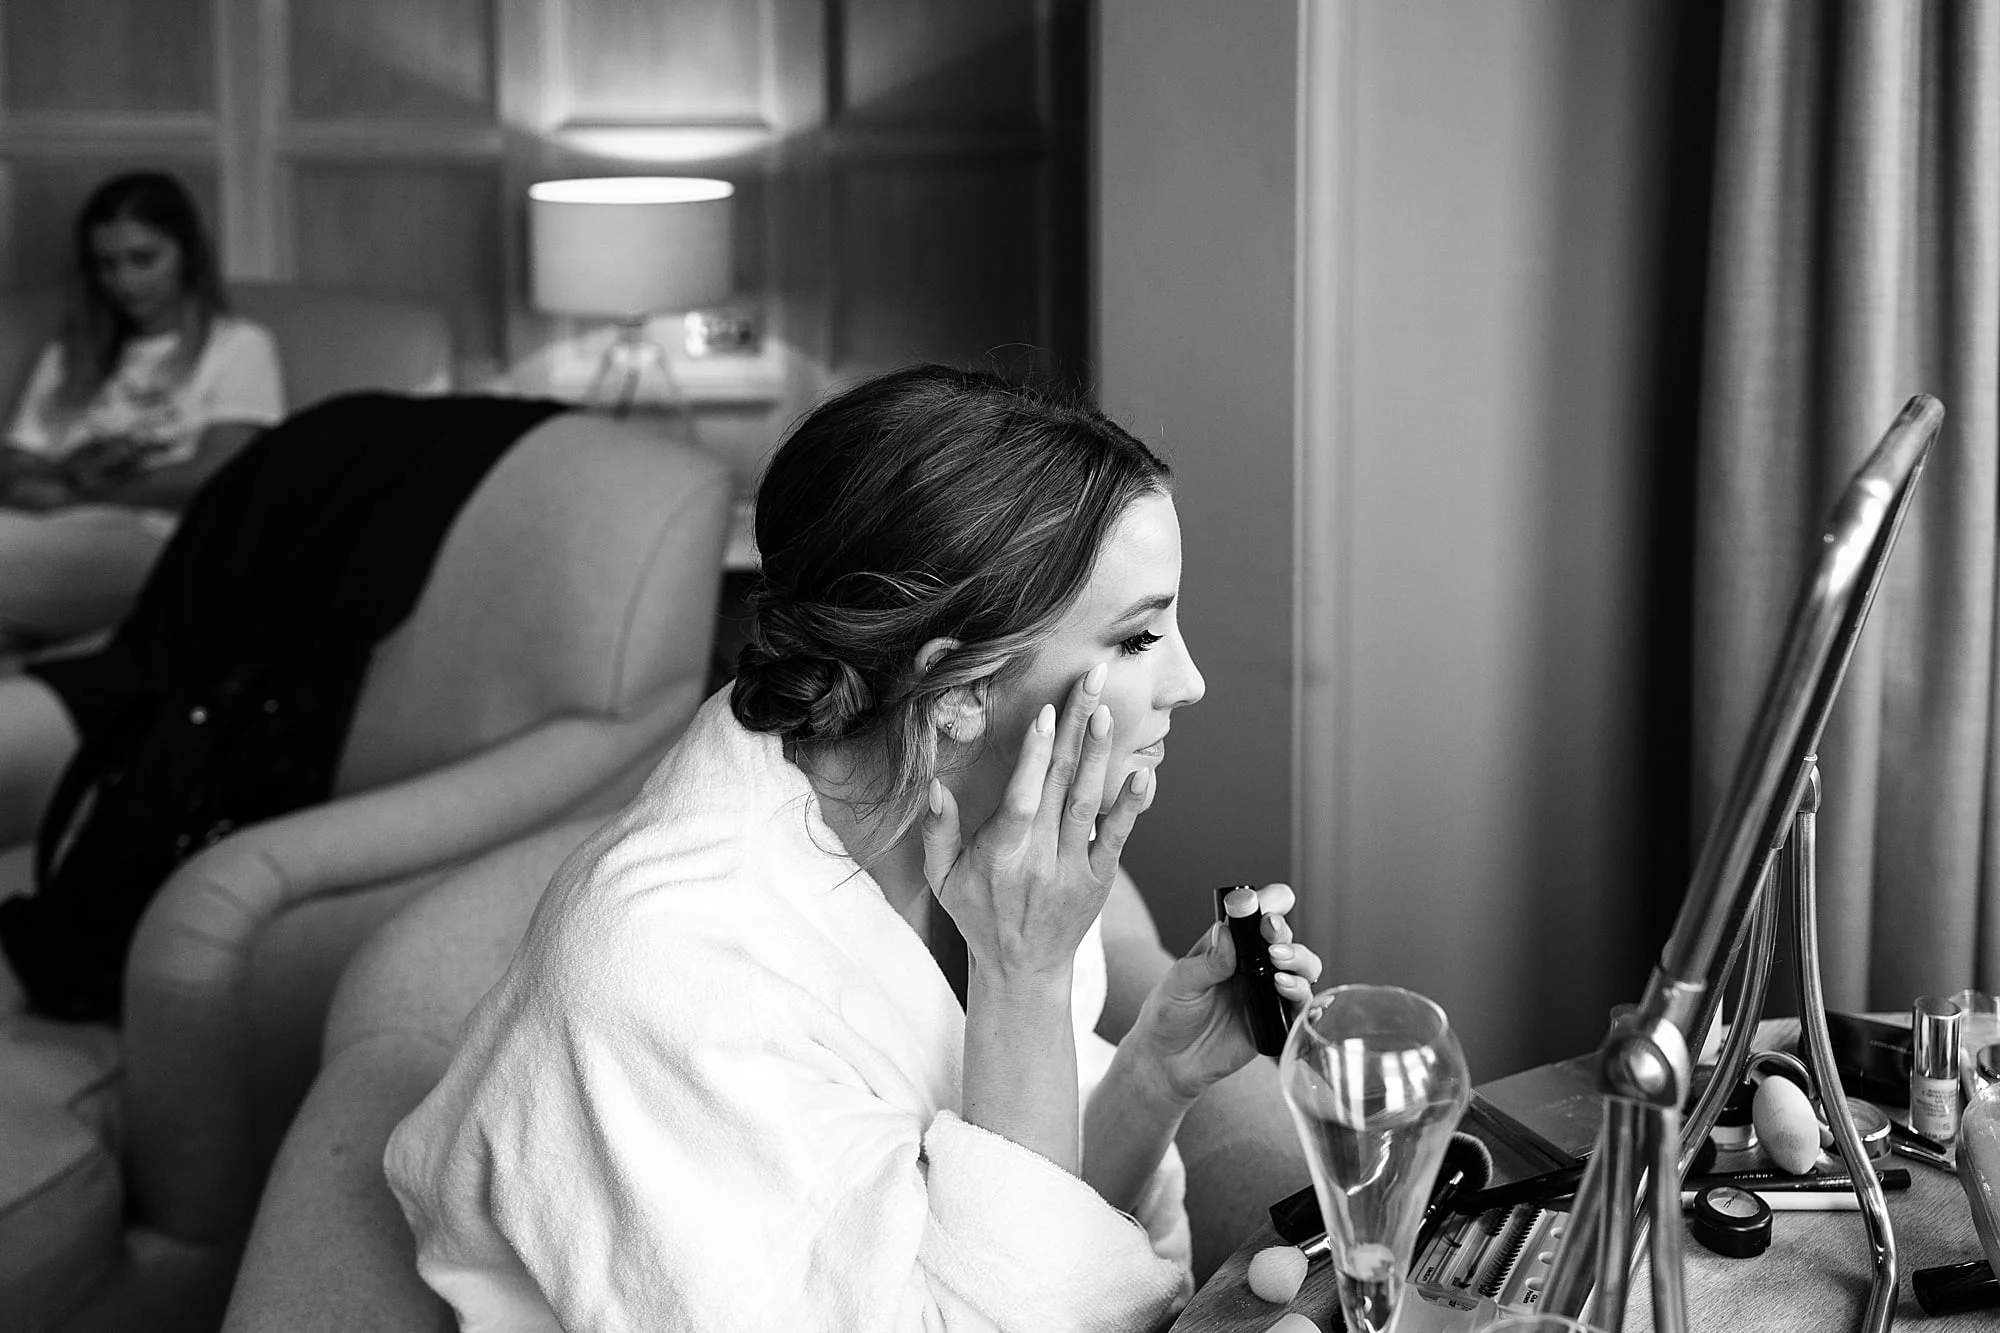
803, 1039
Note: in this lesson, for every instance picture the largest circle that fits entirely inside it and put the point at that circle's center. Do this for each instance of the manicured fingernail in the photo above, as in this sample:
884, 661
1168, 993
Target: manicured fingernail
937, 797
1100, 722
1142, 783
1095, 680
1281, 953
1045, 721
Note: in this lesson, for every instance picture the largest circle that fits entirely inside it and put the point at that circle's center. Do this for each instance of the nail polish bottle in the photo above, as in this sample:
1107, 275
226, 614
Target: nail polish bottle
1934, 1086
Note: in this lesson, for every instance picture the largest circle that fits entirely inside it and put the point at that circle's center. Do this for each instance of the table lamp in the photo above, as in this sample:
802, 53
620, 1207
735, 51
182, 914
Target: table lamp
628, 248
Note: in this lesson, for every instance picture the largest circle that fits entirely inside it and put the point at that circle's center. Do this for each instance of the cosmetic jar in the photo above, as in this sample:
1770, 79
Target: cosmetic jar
1731, 1221
1734, 1126
1872, 1123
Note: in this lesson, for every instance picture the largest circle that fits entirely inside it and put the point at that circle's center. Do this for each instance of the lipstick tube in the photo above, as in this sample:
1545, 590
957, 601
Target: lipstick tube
1264, 1010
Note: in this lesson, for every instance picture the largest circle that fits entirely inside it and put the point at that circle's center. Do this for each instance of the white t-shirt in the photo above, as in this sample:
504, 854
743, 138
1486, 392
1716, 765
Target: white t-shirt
236, 379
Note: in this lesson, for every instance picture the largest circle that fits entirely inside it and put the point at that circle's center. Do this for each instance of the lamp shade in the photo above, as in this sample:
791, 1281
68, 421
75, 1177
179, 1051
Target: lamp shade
627, 246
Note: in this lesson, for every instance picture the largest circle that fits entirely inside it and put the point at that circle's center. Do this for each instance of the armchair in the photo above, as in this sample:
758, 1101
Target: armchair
330, 1250
559, 645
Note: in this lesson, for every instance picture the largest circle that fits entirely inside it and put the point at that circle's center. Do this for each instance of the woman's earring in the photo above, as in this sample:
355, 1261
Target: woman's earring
951, 728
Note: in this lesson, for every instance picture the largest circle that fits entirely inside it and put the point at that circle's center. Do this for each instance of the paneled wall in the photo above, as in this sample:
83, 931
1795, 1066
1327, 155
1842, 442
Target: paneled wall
910, 172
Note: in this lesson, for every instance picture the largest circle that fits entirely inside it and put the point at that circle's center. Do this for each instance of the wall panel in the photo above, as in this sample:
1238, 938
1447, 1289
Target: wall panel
107, 55
910, 172
948, 62
41, 196
427, 230
692, 60
391, 59
928, 263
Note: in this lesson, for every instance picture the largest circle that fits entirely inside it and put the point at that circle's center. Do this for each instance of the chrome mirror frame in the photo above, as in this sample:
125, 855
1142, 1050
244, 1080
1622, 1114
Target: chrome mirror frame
1760, 844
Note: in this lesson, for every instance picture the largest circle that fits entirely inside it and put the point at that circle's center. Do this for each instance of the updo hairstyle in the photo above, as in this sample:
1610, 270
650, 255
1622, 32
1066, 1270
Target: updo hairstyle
922, 504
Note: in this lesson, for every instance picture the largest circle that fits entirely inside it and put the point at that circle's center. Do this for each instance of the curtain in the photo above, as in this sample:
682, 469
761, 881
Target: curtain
1855, 260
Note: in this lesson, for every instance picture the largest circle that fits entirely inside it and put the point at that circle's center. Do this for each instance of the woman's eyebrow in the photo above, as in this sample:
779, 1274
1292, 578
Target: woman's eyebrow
1149, 606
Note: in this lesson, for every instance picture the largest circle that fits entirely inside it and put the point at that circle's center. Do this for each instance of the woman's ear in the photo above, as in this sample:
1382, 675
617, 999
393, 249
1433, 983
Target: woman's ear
959, 712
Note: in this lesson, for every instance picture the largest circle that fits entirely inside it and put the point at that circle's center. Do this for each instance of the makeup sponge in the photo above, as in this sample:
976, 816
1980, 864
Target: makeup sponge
1276, 1273
1293, 1323
1786, 1125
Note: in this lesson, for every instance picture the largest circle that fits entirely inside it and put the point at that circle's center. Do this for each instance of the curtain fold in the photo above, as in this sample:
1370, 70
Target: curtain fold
1855, 261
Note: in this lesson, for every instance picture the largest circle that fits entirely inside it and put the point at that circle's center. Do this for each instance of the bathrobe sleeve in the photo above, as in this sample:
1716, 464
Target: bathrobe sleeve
684, 1135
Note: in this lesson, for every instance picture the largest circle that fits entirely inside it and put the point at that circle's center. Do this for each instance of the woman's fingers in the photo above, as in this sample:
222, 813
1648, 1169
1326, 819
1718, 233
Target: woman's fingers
941, 835
1086, 790
1295, 960
1294, 988
1134, 795
1276, 898
1069, 745
1023, 798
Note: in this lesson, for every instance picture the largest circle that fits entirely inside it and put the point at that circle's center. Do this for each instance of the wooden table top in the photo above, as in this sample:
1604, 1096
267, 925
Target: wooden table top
1815, 1276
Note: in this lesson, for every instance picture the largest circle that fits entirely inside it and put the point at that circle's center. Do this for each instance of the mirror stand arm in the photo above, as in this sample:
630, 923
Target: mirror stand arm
1641, 1060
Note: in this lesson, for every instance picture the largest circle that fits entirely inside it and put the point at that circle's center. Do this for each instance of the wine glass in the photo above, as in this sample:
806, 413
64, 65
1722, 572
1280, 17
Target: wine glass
1376, 1084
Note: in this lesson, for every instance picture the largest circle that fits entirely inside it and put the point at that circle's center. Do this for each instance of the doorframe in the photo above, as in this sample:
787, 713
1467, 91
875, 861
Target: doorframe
1322, 428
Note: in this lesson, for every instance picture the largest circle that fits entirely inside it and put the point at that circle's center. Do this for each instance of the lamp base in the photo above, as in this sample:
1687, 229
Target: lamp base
631, 358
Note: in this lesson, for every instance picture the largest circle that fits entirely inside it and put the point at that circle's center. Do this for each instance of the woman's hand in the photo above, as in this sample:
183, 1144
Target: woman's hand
1026, 887
30, 481
39, 495
1190, 1027
100, 464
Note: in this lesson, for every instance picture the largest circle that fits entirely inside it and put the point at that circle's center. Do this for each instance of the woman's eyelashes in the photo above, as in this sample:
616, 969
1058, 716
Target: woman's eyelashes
1138, 643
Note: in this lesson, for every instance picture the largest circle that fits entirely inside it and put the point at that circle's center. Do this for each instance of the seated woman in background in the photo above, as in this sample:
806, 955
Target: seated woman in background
148, 388
806, 1037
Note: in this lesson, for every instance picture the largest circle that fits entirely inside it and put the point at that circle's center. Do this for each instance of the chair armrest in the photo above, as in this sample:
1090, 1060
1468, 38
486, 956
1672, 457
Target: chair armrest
330, 1249
191, 1057
435, 818
37, 739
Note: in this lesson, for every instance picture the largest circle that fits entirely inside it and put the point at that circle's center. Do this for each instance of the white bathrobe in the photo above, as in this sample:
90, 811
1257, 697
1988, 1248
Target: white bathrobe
717, 1090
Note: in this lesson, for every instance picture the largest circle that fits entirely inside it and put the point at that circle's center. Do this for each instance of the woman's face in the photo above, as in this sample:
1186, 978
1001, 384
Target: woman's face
1126, 618
139, 269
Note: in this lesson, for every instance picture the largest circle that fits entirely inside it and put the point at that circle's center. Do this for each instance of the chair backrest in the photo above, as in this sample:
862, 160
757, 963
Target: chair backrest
562, 589
329, 341
27, 321
333, 342
576, 589
559, 644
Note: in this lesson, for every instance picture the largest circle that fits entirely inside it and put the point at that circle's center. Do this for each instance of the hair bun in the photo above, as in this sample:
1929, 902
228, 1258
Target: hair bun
785, 687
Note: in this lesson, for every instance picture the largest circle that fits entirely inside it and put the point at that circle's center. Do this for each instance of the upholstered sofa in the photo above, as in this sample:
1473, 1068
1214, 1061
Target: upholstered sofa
330, 1250
329, 341
560, 644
